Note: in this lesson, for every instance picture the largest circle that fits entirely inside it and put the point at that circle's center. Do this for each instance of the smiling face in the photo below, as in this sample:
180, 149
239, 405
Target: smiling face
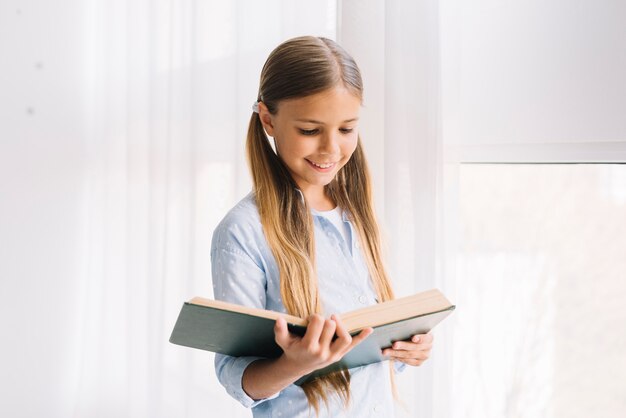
315, 136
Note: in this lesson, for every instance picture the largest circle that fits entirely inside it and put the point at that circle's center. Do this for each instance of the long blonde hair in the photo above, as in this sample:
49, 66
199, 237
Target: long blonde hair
297, 68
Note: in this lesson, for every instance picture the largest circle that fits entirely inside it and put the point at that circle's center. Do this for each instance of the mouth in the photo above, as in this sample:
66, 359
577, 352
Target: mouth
322, 167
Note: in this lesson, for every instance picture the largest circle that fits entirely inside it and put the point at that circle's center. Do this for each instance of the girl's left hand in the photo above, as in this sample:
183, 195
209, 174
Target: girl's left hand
412, 352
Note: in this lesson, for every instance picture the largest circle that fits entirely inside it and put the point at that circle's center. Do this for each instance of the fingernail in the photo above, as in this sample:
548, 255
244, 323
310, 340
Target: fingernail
416, 339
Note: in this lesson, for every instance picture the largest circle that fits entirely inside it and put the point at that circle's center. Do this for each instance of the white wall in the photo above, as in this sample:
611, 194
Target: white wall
533, 71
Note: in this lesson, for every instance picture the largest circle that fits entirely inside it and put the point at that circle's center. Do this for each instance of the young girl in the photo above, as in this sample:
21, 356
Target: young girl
306, 241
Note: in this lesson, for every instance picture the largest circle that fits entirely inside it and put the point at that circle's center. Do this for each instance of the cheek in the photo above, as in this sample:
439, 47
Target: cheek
349, 147
291, 148
297, 150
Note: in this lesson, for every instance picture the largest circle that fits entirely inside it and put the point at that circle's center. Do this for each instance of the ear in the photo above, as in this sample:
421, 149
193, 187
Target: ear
267, 119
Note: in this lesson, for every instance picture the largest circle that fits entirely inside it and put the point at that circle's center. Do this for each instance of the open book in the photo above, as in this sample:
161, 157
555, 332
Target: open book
237, 330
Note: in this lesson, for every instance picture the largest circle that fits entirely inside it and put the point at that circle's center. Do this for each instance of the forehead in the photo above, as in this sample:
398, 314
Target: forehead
335, 104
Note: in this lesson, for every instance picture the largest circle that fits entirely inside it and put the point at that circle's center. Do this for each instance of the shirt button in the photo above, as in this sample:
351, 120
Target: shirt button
377, 408
362, 299
356, 244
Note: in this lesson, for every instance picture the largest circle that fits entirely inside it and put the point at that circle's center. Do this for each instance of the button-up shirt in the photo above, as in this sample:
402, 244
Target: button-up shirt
245, 272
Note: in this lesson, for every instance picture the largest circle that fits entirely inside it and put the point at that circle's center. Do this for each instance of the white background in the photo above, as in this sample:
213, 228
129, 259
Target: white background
122, 127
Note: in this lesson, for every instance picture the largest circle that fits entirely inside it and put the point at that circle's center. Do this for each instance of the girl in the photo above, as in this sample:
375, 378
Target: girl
306, 241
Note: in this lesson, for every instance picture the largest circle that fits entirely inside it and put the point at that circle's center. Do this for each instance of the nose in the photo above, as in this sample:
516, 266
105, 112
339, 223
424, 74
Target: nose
329, 143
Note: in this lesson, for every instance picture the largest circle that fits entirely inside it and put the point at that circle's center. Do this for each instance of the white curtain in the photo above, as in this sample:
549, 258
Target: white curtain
123, 130
174, 85
397, 46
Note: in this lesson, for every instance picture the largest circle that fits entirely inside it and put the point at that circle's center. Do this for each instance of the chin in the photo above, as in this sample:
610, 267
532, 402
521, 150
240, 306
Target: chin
322, 181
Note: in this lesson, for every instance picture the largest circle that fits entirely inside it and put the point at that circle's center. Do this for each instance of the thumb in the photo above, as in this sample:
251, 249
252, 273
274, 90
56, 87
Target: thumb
281, 333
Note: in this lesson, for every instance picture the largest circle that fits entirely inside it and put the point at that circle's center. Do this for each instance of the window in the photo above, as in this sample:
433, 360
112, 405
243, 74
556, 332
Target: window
541, 292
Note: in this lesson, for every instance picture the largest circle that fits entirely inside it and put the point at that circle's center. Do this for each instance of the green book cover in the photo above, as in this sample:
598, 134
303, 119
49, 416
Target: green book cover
224, 329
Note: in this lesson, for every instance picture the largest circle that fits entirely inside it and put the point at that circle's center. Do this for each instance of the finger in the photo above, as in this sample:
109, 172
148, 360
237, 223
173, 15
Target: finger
402, 354
410, 362
328, 333
357, 339
343, 336
422, 338
403, 345
281, 333
313, 330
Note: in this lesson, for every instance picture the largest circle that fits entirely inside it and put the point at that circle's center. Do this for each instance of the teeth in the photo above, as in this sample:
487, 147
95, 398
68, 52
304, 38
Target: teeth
322, 165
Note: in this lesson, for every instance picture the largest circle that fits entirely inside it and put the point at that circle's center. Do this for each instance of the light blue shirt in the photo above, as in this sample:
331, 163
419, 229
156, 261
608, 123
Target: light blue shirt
245, 272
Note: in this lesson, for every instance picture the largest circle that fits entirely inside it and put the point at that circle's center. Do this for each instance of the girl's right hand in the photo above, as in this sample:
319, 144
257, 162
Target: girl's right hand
316, 349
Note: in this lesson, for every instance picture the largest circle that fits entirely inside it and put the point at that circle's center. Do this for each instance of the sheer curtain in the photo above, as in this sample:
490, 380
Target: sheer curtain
174, 82
122, 130
397, 46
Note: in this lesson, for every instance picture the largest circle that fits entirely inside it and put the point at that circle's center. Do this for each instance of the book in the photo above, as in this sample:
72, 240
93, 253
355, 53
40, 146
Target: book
235, 330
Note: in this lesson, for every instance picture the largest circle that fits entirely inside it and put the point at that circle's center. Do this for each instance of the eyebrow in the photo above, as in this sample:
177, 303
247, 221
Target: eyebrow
322, 123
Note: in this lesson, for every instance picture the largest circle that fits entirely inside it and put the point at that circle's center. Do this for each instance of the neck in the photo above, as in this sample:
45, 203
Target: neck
317, 198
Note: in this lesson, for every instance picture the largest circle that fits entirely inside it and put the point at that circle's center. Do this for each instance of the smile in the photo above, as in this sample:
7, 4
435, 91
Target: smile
322, 166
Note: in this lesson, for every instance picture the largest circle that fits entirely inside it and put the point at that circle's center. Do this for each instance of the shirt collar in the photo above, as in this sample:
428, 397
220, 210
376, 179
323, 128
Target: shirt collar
344, 213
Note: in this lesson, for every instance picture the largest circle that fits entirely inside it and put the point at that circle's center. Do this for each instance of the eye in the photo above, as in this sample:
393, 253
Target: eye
346, 130
308, 131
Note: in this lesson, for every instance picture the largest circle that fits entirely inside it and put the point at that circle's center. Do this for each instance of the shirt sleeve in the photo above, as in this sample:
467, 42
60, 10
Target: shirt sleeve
237, 278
